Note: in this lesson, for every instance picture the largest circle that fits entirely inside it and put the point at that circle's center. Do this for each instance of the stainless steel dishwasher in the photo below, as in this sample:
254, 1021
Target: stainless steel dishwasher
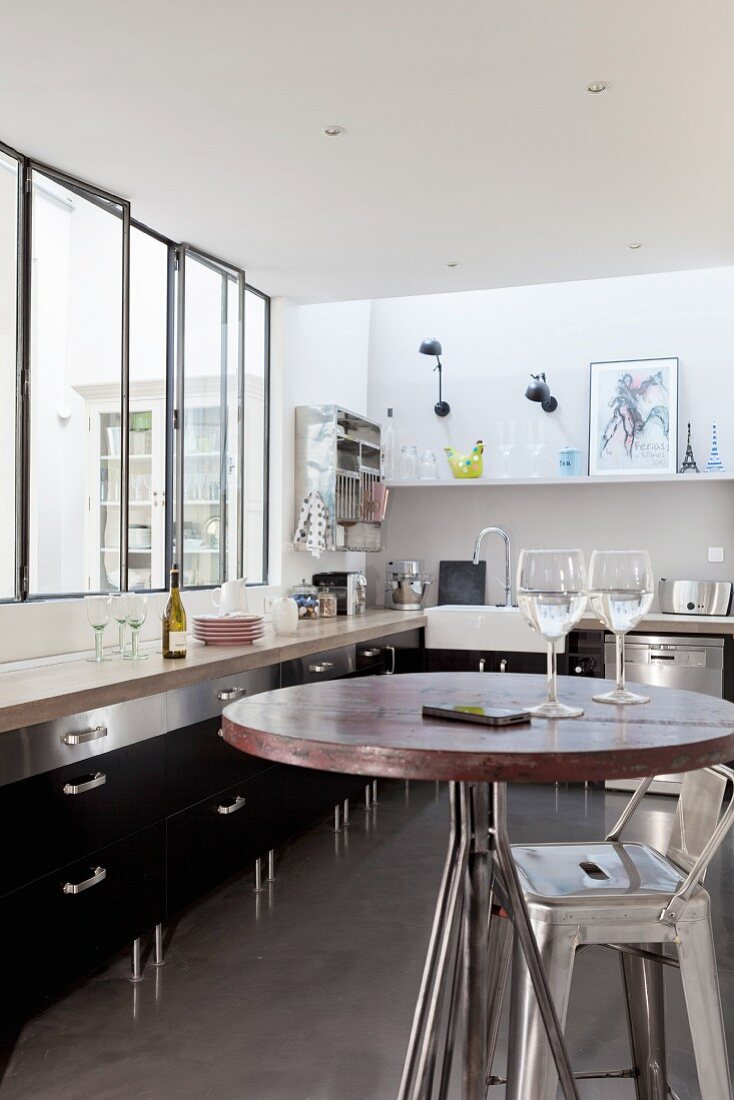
687, 663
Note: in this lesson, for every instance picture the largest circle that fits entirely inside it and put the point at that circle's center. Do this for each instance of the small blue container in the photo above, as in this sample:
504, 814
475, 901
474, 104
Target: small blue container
569, 462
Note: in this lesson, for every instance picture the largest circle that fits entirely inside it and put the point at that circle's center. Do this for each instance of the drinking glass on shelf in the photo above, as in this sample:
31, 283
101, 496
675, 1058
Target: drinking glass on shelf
551, 594
506, 440
620, 589
119, 614
408, 463
137, 606
535, 444
98, 614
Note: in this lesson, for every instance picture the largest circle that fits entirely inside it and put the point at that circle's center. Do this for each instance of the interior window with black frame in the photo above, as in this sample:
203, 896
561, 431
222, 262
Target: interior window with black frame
9, 175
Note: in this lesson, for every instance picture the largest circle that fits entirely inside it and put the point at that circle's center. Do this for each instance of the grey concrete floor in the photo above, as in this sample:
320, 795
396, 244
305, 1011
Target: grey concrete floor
305, 992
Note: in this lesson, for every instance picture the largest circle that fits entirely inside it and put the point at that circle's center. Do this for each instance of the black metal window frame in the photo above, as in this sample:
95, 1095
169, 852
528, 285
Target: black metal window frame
175, 331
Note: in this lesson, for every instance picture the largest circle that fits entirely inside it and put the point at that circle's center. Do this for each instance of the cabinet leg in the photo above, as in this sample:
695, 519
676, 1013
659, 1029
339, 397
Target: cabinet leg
374, 792
136, 969
345, 811
337, 818
158, 959
368, 797
258, 887
271, 866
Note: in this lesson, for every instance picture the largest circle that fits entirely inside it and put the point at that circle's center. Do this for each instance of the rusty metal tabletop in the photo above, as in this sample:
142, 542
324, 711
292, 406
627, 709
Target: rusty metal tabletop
373, 726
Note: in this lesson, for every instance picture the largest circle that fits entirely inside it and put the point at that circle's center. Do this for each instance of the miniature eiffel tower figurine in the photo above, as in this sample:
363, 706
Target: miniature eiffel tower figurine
714, 464
689, 463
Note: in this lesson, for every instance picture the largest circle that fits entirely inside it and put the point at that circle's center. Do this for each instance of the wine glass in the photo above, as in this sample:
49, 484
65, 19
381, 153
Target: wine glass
119, 614
551, 594
137, 608
620, 590
98, 614
535, 444
506, 439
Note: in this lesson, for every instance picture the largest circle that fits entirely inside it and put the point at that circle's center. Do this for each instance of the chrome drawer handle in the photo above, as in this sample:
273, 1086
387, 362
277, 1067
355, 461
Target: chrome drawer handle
96, 780
236, 804
323, 666
84, 736
503, 665
79, 887
226, 694
482, 662
369, 652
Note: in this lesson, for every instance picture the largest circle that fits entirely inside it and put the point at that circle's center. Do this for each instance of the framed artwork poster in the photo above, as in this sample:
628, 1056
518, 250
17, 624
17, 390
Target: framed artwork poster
633, 417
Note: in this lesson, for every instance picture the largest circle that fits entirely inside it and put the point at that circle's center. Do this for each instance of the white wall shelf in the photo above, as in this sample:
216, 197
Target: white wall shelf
534, 482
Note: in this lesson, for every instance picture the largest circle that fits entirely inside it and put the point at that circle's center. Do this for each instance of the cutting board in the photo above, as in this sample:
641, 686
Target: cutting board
461, 582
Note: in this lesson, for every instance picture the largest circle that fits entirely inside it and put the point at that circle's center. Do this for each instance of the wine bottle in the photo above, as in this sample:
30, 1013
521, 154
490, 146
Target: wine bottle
174, 621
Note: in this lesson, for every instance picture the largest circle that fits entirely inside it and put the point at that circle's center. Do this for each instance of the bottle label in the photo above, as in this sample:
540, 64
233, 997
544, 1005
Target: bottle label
177, 641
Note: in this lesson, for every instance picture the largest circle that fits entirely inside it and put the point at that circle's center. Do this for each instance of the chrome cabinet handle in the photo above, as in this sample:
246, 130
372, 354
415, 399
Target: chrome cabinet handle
236, 804
503, 665
322, 666
220, 732
84, 736
369, 652
98, 875
96, 780
391, 650
226, 694
482, 662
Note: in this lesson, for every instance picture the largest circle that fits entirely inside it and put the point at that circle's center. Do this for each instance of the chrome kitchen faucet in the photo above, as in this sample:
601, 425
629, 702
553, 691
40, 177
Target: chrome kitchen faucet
508, 555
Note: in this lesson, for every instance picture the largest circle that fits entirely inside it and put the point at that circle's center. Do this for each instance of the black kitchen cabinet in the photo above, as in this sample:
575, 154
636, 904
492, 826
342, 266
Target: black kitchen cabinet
62, 814
66, 922
395, 653
470, 660
199, 762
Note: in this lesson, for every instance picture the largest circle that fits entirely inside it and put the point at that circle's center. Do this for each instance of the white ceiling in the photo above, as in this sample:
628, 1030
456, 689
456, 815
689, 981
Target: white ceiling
470, 135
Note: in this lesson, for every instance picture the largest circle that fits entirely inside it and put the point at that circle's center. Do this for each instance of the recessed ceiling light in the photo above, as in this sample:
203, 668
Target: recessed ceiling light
597, 87
453, 263
333, 131
635, 244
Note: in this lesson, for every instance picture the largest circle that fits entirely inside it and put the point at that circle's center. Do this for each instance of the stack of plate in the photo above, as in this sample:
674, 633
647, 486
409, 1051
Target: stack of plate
228, 629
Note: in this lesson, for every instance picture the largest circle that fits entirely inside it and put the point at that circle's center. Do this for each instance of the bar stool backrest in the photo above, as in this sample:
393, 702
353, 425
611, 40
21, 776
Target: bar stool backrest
696, 817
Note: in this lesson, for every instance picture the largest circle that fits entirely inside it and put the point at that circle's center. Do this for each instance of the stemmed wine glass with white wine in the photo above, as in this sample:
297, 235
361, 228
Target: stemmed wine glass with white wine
621, 591
551, 593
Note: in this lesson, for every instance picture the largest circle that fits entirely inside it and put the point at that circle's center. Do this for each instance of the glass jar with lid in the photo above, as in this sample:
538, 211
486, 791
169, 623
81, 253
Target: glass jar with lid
327, 603
307, 599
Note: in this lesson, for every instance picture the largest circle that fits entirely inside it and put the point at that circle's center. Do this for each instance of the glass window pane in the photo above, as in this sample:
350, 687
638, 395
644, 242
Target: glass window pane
148, 350
204, 428
256, 345
76, 324
8, 306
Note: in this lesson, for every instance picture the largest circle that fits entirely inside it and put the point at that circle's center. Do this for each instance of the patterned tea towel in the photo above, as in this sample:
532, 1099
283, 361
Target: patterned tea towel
312, 529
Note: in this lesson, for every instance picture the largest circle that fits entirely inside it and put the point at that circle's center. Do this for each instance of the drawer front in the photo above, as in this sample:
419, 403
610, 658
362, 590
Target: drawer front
207, 843
58, 934
199, 762
33, 750
329, 665
61, 815
189, 705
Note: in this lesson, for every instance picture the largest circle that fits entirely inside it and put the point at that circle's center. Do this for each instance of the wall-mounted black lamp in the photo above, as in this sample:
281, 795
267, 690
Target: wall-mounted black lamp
539, 390
432, 346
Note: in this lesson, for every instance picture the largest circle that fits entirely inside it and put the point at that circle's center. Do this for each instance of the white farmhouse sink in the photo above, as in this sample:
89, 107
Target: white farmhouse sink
478, 626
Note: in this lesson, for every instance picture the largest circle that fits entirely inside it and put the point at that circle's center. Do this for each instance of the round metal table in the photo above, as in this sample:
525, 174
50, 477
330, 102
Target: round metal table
373, 726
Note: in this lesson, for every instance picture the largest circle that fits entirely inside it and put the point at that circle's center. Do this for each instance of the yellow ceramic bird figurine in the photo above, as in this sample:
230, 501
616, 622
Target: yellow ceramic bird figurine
468, 465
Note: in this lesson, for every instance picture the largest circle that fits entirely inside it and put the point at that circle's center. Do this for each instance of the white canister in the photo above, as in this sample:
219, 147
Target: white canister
284, 613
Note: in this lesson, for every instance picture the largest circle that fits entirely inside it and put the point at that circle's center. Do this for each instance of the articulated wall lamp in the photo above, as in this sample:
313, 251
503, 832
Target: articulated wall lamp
539, 390
432, 346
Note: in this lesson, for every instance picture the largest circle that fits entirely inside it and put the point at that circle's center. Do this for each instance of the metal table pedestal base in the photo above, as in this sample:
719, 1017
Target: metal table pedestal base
455, 973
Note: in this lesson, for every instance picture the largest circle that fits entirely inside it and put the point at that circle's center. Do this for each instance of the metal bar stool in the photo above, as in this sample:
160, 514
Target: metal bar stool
631, 898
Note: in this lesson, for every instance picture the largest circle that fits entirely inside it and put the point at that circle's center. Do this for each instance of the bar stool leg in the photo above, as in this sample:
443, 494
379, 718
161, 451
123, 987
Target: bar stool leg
136, 969
645, 995
158, 959
498, 970
531, 1070
703, 1002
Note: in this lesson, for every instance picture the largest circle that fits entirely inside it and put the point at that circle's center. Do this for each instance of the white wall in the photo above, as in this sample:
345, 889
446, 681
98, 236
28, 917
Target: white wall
492, 340
319, 355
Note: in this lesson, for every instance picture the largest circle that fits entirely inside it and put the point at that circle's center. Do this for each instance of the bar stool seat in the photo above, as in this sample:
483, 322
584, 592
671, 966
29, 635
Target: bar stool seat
633, 898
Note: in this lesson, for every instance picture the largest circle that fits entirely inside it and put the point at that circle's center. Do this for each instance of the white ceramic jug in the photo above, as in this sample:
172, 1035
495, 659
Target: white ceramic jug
231, 598
284, 612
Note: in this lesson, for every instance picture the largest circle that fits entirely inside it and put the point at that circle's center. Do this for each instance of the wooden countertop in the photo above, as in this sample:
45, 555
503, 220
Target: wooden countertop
44, 690
657, 623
